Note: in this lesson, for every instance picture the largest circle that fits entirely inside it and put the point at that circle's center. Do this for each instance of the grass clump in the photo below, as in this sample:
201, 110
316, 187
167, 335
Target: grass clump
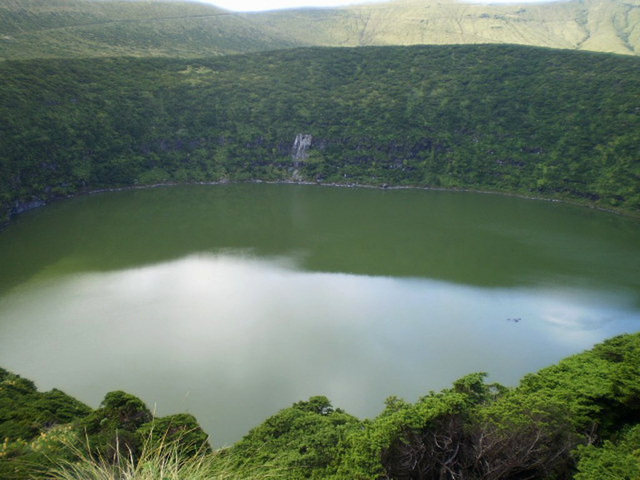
159, 459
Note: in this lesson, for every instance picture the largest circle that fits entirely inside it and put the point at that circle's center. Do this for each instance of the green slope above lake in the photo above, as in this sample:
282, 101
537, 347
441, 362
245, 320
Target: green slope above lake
523, 120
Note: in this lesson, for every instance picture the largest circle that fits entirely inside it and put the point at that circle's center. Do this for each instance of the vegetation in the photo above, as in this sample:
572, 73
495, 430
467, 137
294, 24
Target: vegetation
41, 431
522, 120
108, 28
560, 417
158, 459
577, 419
514, 119
85, 28
596, 25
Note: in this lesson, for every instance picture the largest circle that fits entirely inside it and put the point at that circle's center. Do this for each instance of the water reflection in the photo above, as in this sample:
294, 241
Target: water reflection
472, 239
233, 338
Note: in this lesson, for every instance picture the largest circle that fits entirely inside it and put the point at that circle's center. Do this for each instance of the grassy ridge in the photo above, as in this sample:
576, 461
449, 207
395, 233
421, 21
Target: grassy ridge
513, 119
597, 25
91, 28
81, 28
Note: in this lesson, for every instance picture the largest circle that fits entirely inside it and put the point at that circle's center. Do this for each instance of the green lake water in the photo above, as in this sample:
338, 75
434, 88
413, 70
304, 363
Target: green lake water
234, 301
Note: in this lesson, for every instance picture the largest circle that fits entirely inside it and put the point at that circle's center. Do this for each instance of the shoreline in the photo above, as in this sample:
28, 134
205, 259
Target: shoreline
39, 203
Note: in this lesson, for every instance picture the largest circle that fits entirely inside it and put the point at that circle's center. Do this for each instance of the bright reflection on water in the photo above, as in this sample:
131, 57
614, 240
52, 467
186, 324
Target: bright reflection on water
232, 302
232, 338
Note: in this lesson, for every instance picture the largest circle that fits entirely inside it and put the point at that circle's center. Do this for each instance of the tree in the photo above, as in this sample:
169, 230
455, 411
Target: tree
306, 439
112, 428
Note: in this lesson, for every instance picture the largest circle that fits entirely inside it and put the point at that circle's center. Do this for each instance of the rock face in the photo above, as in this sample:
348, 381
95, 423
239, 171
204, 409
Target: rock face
20, 207
301, 145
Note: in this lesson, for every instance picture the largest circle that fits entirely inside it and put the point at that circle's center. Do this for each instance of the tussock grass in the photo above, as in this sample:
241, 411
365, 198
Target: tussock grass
158, 461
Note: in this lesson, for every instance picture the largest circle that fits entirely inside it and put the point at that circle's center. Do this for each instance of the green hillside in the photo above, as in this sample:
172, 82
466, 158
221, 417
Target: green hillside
149, 28
522, 120
574, 420
597, 25
86, 28
84, 106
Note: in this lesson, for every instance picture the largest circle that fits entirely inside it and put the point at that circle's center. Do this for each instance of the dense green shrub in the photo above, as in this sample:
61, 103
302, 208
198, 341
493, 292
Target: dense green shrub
25, 412
514, 119
40, 429
613, 459
539, 430
577, 419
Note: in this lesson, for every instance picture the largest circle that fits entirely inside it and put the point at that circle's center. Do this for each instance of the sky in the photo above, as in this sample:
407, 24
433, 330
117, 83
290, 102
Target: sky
262, 5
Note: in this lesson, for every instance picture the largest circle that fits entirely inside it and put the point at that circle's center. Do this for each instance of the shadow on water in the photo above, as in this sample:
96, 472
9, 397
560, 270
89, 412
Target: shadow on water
473, 239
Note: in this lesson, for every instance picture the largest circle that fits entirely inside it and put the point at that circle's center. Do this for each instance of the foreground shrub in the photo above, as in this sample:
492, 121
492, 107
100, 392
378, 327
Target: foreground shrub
161, 458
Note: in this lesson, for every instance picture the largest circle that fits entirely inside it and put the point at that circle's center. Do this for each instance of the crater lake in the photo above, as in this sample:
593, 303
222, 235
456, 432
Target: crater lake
232, 302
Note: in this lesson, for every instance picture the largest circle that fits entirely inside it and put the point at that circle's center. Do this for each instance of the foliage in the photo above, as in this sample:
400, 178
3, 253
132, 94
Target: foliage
475, 430
114, 425
472, 430
599, 388
614, 459
21, 459
25, 412
513, 119
181, 431
32, 425
577, 419
156, 461
40, 430
305, 440
464, 432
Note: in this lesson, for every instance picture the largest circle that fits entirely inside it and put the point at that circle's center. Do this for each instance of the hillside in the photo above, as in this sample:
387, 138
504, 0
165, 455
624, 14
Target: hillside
94, 28
98, 28
522, 120
597, 25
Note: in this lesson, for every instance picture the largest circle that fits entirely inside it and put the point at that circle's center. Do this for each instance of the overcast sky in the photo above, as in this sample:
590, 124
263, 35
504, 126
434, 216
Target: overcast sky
261, 5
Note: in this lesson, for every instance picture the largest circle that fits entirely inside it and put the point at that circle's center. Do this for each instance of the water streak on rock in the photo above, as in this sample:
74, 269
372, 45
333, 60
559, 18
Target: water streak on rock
300, 148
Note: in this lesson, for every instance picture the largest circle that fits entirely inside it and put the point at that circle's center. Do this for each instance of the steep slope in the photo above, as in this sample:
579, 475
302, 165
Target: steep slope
533, 121
95, 28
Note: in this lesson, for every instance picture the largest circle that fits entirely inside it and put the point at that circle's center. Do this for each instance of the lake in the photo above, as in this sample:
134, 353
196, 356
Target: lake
232, 302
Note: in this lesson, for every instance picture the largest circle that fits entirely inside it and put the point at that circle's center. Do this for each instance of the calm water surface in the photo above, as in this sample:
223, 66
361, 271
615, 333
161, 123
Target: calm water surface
232, 302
